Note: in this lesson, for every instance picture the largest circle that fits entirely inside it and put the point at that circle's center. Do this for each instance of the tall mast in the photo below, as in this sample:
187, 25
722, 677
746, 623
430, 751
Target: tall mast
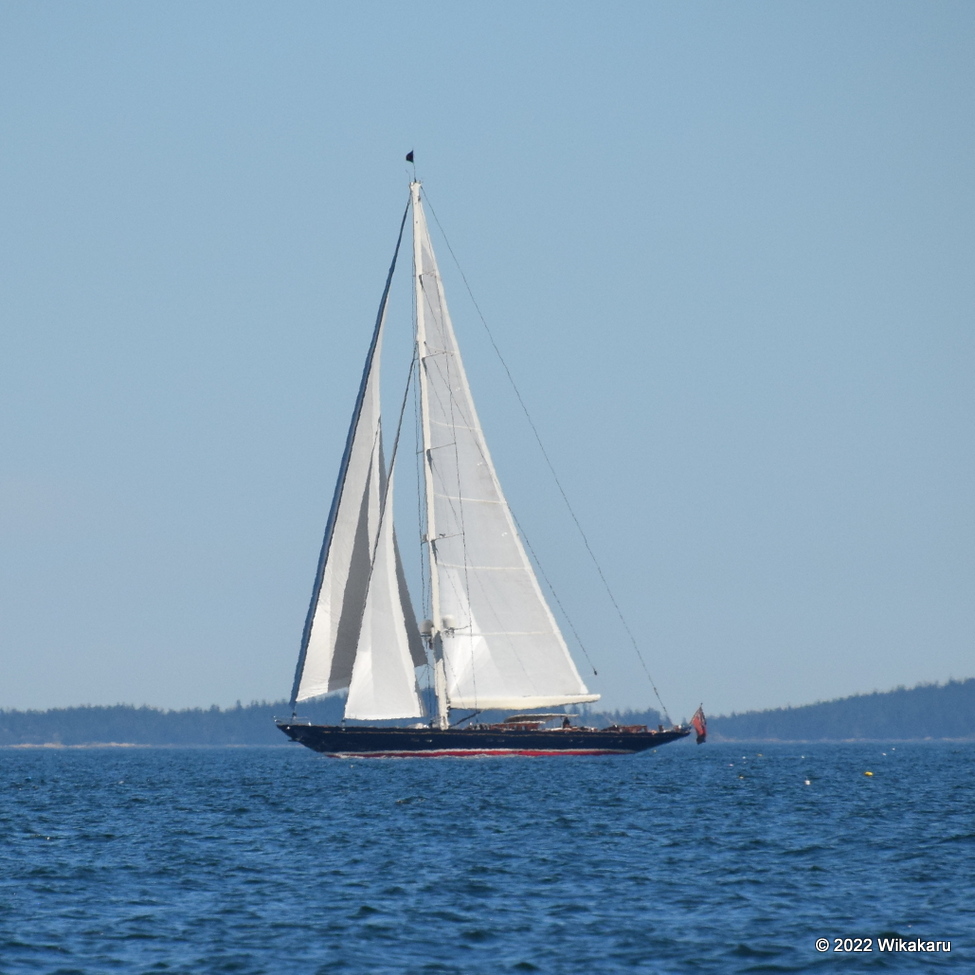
439, 673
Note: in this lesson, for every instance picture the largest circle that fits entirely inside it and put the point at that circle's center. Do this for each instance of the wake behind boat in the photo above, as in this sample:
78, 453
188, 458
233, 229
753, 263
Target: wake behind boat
491, 640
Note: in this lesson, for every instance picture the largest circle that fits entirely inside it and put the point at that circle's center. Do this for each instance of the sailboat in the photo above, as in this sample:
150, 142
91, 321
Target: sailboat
490, 640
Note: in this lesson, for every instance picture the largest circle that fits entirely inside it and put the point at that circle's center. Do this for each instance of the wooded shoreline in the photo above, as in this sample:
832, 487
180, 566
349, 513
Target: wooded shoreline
926, 712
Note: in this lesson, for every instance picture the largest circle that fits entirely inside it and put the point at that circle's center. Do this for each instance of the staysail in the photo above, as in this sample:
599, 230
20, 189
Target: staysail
383, 684
360, 632
500, 644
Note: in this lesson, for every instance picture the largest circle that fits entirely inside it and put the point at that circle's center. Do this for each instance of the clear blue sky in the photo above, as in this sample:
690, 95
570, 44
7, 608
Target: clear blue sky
726, 249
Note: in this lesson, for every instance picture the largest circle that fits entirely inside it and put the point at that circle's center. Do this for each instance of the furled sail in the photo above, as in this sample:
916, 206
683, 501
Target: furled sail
360, 632
501, 645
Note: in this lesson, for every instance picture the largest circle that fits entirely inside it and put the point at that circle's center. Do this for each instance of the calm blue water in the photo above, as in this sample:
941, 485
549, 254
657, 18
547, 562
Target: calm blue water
710, 859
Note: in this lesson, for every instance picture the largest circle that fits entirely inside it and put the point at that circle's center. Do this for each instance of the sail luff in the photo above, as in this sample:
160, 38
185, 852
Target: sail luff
343, 471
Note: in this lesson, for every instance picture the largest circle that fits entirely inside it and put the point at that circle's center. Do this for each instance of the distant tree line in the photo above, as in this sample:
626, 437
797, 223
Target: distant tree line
926, 711
251, 724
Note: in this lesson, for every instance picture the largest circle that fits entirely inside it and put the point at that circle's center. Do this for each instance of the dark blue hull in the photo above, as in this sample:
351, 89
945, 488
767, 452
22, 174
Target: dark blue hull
471, 742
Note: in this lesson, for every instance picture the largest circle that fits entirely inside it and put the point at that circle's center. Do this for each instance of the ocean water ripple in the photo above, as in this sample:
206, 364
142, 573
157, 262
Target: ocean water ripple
724, 859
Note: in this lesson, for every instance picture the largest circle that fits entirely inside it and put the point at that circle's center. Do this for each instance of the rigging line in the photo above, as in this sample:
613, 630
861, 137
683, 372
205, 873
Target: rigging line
551, 467
467, 717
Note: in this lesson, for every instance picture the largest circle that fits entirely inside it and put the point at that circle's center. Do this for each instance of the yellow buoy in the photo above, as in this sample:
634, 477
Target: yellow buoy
868, 773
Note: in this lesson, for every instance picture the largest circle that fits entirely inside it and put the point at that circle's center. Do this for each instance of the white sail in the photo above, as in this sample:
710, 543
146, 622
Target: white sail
383, 682
337, 613
501, 645
361, 633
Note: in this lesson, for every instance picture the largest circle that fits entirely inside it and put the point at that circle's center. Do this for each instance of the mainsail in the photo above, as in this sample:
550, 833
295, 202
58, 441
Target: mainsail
499, 643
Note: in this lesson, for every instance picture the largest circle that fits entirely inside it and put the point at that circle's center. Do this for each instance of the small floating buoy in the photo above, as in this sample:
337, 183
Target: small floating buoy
868, 773
808, 782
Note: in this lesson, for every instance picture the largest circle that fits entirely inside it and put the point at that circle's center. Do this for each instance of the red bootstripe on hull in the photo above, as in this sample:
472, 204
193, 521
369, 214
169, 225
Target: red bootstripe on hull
480, 753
